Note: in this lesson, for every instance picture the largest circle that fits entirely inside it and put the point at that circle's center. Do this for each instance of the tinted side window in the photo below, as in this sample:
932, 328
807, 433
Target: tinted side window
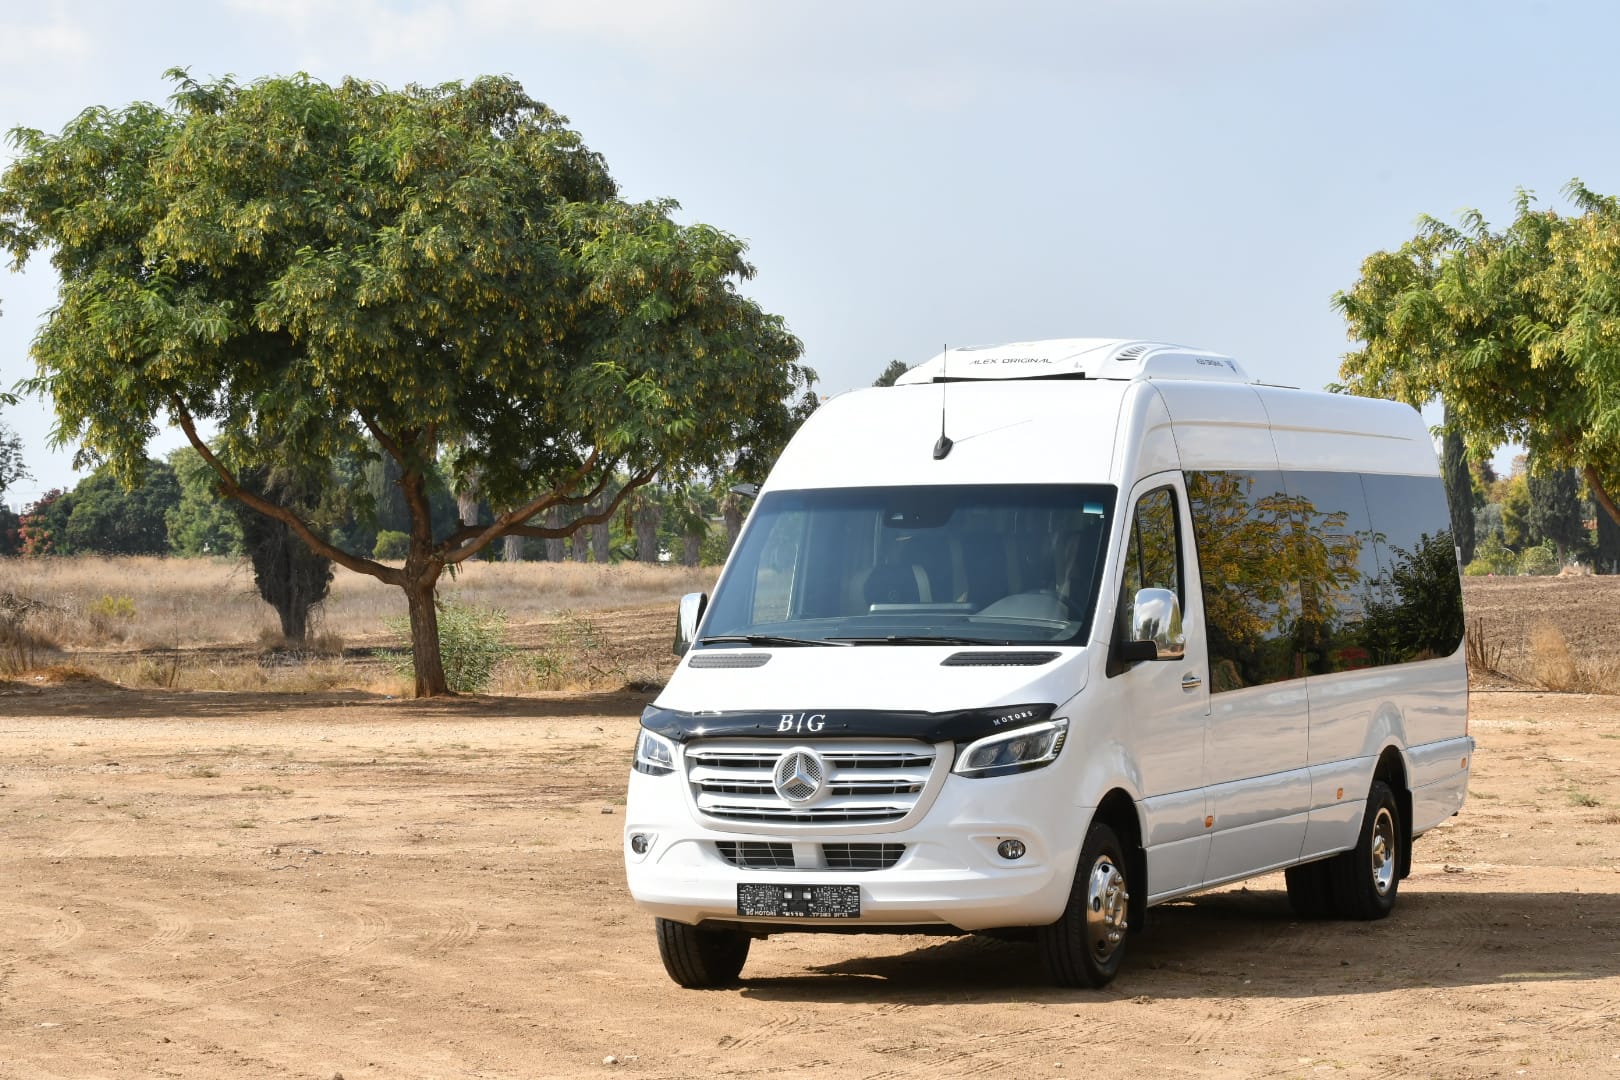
1243, 525
1337, 562
1415, 612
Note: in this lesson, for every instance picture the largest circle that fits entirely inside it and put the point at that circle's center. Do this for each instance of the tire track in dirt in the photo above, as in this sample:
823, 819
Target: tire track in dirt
61, 928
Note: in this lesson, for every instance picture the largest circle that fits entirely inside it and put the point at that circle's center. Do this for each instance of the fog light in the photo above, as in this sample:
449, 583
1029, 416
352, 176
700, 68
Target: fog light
1010, 849
640, 842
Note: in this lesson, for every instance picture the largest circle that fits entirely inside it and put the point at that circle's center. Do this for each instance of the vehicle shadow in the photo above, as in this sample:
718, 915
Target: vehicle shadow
1248, 941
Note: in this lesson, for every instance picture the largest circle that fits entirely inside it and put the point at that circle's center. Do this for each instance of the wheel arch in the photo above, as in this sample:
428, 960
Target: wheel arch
1118, 810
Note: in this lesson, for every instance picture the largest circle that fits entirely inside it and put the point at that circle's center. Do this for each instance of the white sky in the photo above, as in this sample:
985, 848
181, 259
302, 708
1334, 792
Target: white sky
914, 172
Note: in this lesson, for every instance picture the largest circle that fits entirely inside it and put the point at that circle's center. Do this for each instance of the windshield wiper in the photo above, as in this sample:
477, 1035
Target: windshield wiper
920, 639
765, 639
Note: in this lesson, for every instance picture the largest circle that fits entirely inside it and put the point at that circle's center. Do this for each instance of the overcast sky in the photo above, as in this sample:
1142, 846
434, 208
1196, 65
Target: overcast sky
926, 171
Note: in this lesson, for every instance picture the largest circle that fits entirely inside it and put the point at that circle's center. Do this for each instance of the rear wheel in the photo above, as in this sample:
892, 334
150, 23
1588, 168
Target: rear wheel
1366, 880
1087, 944
700, 958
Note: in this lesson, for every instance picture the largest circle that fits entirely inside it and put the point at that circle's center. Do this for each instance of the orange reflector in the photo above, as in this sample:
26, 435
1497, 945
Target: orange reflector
1465, 763
1209, 822
1340, 794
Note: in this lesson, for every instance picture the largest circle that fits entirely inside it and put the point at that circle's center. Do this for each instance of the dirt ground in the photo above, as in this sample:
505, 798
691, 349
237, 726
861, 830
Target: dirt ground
251, 885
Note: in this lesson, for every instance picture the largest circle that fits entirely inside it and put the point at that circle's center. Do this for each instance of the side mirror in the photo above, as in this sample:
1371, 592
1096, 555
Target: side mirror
687, 616
1156, 632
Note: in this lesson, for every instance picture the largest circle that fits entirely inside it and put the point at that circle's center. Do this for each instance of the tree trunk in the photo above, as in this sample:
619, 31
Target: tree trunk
554, 546
430, 680
734, 521
648, 516
512, 549
692, 549
602, 542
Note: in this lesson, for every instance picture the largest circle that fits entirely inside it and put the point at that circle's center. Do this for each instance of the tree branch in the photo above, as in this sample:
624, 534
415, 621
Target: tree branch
1605, 500
543, 533
481, 535
232, 489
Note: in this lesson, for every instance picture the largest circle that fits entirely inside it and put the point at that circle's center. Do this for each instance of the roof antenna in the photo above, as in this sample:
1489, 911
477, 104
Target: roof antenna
944, 445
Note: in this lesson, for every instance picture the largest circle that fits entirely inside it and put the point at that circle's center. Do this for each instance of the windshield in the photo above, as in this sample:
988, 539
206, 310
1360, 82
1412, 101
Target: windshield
984, 564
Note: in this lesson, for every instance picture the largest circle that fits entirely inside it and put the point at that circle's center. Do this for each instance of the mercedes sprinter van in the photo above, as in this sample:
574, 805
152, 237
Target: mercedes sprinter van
1044, 635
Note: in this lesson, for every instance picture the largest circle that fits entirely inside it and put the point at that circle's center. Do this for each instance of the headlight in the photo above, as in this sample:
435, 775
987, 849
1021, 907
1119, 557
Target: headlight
1013, 751
655, 755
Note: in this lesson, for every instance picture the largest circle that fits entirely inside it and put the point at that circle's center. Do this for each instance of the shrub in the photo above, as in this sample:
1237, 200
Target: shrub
111, 607
1540, 560
472, 640
1491, 556
391, 545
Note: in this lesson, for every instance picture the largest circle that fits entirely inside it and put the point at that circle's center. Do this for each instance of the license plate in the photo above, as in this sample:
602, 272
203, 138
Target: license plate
800, 901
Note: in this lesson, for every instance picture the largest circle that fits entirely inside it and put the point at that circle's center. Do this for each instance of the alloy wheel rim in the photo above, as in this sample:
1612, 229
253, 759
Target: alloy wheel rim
1106, 907
1383, 851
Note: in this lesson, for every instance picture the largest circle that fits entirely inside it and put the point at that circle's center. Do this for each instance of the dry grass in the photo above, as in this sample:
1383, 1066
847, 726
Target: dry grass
189, 602
1552, 666
199, 623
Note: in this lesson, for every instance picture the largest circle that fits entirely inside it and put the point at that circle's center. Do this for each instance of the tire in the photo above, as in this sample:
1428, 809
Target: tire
700, 958
1365, 881
1310, 890
1087, 944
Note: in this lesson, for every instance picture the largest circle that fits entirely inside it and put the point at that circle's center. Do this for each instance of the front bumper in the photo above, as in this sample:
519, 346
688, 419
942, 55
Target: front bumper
949, 874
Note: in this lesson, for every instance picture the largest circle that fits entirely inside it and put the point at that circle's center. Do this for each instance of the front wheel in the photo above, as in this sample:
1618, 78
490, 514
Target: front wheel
1087, 944
701, 958
1367, 879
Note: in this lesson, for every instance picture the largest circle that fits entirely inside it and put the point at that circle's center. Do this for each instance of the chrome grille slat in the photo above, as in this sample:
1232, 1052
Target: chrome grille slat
772, 855
866, 782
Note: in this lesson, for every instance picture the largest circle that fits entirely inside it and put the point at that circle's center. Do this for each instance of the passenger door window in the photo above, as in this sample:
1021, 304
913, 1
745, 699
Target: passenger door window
1152, 554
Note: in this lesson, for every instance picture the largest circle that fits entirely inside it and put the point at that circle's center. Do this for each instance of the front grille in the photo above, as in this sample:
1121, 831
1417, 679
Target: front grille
754, 855
866, 782
862, 856
760, 855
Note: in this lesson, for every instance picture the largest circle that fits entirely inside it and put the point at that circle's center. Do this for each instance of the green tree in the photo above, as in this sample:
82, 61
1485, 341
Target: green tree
1606, 559
291, 576
1555, 513
1459, 491
104, 516
310, 267
895, 369
201, 523
1517, 330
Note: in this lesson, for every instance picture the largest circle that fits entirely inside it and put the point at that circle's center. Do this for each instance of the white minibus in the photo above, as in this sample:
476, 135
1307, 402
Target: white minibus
1047, 634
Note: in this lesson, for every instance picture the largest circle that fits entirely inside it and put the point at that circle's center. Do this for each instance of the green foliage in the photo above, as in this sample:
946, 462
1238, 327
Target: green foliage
1555, 512
112, 607
340, 272
1459, 491
101, 516
1516, 529
201, 523
472, 641
895, 369
1419, 604
11, 459
1541, 559
290, 576
391, 545
1491, 556
1516, 330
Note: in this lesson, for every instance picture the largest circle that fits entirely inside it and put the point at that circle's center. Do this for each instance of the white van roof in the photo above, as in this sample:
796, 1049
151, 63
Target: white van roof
1076, 358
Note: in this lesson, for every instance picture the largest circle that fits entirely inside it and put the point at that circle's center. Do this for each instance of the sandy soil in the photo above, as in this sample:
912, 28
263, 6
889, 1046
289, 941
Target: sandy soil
219, 884
212, 884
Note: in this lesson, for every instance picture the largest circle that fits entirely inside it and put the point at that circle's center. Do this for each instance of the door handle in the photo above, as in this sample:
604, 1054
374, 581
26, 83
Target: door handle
1190, 681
